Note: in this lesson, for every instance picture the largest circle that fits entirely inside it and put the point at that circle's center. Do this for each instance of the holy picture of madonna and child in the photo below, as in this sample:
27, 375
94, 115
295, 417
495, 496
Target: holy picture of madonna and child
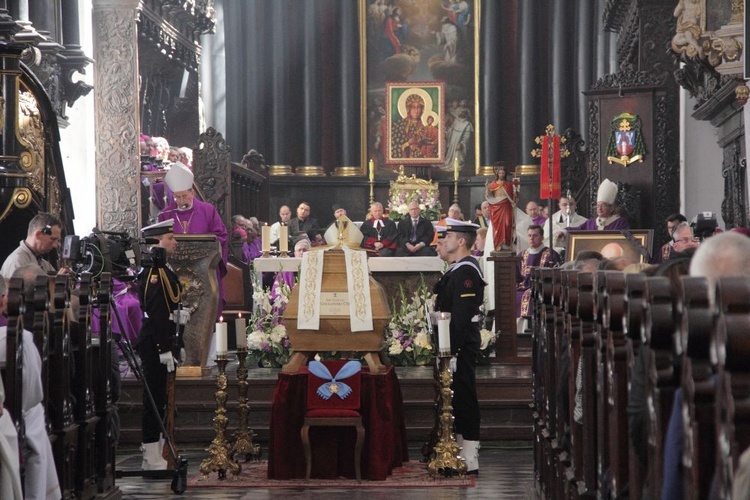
415, 112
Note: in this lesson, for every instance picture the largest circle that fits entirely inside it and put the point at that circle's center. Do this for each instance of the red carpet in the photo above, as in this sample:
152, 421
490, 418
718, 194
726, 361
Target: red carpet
411, 475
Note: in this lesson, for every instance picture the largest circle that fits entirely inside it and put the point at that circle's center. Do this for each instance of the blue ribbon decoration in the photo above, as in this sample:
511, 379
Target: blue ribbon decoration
335, 384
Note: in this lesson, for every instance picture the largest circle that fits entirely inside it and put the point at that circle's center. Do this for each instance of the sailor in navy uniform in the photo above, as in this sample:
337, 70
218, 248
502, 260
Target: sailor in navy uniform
158, 341
460, 292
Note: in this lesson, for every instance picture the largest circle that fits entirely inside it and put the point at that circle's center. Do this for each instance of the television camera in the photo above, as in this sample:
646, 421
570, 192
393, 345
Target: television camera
704, 225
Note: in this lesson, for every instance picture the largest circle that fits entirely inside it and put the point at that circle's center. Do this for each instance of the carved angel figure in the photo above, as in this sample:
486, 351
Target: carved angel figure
690, 16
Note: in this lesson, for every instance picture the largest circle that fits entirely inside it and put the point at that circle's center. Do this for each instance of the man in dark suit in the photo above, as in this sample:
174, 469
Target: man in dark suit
415, 233
303, 223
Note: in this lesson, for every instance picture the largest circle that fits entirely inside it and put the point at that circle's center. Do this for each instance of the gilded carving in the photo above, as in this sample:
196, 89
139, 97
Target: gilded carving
30, 131
116, 106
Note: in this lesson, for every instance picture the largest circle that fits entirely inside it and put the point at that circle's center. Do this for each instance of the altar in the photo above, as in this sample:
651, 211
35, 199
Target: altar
391, 272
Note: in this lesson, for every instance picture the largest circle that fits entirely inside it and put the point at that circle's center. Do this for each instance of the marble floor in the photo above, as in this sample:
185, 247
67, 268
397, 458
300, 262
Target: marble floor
505, 473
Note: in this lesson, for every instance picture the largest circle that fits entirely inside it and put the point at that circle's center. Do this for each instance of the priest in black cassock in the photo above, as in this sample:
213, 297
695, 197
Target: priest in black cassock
380, 233
537, 255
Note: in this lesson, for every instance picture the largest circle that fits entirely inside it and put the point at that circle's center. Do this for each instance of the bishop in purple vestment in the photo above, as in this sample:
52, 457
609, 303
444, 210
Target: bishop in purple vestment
193, 216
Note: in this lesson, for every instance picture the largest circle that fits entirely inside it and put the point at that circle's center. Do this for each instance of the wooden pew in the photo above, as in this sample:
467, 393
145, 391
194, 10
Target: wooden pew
83, 391
13, 375
601, 387
635, 311
616, 382
588, 335
698, 388
572, 343
546, 366
732, 347
60, 404
536, 383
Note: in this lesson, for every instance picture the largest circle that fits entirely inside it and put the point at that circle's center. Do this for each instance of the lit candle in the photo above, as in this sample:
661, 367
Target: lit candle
240, 325
371, 166
455, 168
266, 238
221, 337
283, 238
444, 333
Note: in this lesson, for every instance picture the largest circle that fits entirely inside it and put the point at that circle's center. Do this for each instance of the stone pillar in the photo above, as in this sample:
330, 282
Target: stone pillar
116, 115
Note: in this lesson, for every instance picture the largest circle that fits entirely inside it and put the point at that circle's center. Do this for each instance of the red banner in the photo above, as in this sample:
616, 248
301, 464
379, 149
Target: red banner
549, 179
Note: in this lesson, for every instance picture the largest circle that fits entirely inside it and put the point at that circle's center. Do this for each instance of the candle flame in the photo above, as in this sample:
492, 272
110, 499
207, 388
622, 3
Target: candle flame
239, 316
221, 319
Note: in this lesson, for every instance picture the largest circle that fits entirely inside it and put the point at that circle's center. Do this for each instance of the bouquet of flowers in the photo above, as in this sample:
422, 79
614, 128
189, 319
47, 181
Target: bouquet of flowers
407, 337
267, 343
428, 199
487, 347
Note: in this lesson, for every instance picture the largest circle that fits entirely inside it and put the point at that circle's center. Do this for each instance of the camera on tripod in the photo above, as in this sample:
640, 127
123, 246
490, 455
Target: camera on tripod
704, 225
102, 251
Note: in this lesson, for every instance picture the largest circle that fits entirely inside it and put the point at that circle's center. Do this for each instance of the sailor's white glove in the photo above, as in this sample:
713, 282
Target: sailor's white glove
183, 356
453, 364
181, 316
167, 360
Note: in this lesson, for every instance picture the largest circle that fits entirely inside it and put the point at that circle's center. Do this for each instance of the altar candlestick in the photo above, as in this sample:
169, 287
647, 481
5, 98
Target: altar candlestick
283, 238
266, 238
221, 337
371, 167
240, 326
455, 168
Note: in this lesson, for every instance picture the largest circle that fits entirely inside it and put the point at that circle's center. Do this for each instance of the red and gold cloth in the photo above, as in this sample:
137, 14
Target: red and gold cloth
549, 182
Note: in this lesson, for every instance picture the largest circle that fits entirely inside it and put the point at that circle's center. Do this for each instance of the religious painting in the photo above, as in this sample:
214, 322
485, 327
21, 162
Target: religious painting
410, 42
414, 123
612, 244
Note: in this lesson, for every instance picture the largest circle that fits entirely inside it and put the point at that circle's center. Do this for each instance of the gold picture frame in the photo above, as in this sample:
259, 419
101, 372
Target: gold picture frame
579, 241
415, 46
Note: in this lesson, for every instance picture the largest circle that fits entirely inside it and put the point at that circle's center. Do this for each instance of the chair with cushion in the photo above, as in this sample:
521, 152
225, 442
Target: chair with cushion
333, 400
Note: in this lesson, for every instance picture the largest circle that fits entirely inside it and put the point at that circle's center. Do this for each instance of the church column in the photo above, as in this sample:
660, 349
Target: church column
562, 76
529, 75
116, 115
602, 43
311, 108
348, 108
279, 58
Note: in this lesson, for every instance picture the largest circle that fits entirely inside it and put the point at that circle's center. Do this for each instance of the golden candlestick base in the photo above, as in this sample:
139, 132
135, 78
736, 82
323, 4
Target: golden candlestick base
265, 255
283, 255
446, 460
219, 457
243, 436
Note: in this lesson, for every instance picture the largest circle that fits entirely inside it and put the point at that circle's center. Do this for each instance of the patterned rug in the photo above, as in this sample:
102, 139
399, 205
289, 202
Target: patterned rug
411, 475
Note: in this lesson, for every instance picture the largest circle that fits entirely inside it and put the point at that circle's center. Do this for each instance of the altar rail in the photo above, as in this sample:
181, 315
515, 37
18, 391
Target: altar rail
77, 376
632, 341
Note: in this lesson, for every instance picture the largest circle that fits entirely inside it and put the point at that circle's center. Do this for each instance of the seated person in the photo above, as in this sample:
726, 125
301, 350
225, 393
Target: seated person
478, 248
252, 248
289, 278
415, 234
40, 478
238, 228
380, 233
10, 475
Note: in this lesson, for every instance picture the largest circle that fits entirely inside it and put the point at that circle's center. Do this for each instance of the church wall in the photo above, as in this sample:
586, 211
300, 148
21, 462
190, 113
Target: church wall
700, 165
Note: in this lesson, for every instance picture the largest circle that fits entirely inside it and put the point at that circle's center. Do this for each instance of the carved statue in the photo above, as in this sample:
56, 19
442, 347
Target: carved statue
691, 15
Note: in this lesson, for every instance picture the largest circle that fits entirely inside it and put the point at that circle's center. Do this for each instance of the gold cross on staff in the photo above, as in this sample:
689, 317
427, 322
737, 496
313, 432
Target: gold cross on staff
550, 132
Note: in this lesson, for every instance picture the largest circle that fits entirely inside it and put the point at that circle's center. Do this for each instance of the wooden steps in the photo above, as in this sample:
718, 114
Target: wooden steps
504, 397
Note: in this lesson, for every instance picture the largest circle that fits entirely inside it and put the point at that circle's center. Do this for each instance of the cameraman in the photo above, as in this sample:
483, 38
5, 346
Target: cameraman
158, 343
42, 237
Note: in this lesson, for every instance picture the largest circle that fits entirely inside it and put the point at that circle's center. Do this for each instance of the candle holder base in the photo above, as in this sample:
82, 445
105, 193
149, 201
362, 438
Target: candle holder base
265, 255
219, 459
446, 460
284, 255
243, 437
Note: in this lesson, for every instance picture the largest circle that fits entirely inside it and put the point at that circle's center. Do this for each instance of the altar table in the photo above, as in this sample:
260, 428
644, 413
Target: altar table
385, 446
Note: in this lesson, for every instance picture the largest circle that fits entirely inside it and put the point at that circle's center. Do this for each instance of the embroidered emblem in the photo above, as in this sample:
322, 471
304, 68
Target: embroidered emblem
154, 279
334, 384
468, 283
626, 141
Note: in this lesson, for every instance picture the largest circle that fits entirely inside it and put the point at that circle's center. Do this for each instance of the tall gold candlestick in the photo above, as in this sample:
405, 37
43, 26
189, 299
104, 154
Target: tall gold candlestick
218, 452
446, 460
243, 436
371, 166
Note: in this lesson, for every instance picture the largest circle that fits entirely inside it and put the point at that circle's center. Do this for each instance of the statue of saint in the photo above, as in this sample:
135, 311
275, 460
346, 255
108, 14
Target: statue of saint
501, 195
